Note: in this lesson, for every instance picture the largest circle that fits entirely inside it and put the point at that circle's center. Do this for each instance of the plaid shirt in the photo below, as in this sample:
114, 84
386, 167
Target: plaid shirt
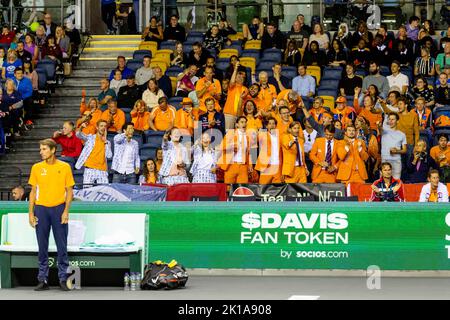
120, 142
170, 156
88, 147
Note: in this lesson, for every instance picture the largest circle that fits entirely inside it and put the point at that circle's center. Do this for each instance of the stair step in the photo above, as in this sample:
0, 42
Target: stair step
117, 37
108, 50
117, 44
110, 63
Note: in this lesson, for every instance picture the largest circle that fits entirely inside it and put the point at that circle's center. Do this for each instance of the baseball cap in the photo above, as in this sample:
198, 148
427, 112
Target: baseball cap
341, 99
187, 101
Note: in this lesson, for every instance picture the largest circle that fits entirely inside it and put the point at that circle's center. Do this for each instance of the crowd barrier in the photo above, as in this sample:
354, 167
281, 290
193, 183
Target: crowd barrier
237, 192
274, 235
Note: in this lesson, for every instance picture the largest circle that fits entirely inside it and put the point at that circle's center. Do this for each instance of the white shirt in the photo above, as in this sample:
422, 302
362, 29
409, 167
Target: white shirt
442, 193
126, 165
239, 156
309, 136
275, 150
398, 81
205, 161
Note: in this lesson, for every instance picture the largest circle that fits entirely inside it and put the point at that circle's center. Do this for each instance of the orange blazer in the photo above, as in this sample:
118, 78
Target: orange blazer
318, 154
290, 154
350, 159
265, 150
227, 146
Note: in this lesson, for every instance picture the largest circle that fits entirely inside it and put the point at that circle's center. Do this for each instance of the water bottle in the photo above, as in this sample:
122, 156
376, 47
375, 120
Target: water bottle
138, 281
133, 281
126, 282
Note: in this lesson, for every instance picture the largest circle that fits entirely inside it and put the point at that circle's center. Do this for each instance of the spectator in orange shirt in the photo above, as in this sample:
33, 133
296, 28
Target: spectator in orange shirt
294, 168
363, 132
441, 155
268, 92
208, 87
162, 117
91, 113
291, 97
352, 155
253, 94
235, 92
345, 114
317, 111
253, 117
184, 118
235, 158
368, 110
114, 117
140, 116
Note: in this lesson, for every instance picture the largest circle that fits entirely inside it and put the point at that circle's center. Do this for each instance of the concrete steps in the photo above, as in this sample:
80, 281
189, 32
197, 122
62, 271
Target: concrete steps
96, 62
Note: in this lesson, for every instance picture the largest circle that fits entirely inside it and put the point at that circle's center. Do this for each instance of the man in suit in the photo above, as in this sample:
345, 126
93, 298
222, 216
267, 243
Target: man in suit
269, 159
235, 158
352, 154
294, 168
324, 157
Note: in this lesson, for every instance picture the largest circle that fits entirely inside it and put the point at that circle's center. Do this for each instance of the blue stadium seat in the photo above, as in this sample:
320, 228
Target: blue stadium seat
329, 84
327, 92
150, 133
168, 45
349, 100
139, 138
148, 151
431, 81
42, 80
176, 102
50, 69
127, 117
192, 38
154, 140
251, 53
140, 54
235, 46
268, 65
361, 72
212, 52
385, 71
439, 111
272, 55
222, 65
289, 72
174, 71
134, 64
408, 71
187, 48
78, 177
332, 74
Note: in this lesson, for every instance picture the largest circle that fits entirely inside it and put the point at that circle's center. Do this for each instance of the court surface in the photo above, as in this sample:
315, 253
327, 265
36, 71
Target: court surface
259, 288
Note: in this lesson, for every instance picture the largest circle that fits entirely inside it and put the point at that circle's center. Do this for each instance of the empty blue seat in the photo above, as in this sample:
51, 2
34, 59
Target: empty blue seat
440, 111
151, 133
272, 55
430, 81
329, 84
332, 74
235, 46
222, 65
154, 140
148, 151
170, 45
385, 71
140, 54
289, 72
192, 38
265, 65
251, 53
174, 71
187, 48
327, 92
134, 64
361, 72
176, 102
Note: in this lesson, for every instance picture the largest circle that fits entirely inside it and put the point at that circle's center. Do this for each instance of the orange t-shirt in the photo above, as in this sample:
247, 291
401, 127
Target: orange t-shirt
435, 153
254, 123
184, 121
283, 95
91, 128
234, 94
267, 95
141, 121
163, 120
214, 88
119, 120
97, 159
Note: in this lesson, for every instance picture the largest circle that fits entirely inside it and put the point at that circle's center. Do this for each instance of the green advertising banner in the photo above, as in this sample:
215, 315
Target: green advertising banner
339, 235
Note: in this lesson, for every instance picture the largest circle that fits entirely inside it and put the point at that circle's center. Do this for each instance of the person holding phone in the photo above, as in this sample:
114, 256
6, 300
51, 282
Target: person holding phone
97, 149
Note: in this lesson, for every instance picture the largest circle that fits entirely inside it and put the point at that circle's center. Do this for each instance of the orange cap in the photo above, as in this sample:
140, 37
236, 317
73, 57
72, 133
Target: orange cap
187, 101
341, 99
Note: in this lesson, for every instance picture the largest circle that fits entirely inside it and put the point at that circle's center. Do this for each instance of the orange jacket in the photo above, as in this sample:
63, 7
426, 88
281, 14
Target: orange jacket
290, 154
351, 159
184, 121
228, 144
318, 154
265, 150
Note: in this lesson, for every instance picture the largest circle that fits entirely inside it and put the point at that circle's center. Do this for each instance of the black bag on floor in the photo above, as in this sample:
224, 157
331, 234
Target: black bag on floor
159, 275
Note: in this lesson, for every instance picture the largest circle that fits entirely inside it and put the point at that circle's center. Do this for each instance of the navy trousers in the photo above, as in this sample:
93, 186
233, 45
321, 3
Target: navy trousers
50, 217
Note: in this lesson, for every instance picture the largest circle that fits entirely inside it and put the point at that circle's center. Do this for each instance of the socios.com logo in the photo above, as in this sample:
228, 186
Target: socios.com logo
51, 262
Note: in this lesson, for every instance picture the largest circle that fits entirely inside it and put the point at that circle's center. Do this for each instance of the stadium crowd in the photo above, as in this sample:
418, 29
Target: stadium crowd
29, 61
271, 107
